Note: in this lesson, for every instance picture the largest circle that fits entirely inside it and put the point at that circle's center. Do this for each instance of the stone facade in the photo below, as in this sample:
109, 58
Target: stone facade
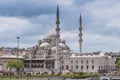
90, 63
43, 54
42, 58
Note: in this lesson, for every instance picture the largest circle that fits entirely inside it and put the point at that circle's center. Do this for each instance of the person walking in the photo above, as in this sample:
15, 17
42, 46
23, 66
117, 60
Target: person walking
48, 78
64, 78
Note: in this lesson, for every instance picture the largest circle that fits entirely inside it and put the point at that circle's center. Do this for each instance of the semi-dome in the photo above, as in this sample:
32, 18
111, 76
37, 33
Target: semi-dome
53, 48
45, 44
51, 34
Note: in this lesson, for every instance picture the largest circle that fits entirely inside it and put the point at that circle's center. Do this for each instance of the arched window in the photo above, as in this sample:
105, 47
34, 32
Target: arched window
87, 66
76, 66
92, 66
49, 67
62, 67
67, 67
82, 67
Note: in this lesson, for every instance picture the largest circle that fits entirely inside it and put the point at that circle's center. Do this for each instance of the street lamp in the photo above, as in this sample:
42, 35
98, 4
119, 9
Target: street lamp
17, 45
17, 51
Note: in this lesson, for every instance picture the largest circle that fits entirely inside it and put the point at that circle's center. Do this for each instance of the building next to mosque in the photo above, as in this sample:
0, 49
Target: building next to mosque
5, 58
52, 54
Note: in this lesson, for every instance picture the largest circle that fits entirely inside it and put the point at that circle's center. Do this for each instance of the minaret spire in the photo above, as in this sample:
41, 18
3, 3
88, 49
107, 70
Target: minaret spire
57, 16
57, 55
80, 35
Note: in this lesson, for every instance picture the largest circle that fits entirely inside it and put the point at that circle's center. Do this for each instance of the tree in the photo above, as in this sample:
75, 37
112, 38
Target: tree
117, 59
118, 63
11, 64
19, 64
15, 64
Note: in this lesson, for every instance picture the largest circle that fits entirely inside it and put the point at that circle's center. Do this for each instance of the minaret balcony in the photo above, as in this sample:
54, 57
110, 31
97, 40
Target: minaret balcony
57, 29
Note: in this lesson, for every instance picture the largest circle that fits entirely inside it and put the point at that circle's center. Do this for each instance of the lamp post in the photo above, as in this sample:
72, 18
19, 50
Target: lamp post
17, 45
17, 51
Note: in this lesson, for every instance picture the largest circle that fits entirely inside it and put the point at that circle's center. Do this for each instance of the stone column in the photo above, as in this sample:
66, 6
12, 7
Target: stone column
44, 65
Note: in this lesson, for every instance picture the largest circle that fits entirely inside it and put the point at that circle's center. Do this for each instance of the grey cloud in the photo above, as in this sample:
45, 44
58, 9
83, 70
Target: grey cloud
25, 8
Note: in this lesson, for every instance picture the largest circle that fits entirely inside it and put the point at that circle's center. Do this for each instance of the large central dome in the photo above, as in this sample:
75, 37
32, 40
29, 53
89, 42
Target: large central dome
51, 34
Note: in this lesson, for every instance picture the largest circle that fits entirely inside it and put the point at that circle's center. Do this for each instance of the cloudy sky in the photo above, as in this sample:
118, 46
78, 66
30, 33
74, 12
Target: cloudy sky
32, 19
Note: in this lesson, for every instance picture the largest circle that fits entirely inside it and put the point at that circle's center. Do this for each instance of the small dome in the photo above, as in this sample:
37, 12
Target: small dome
62, 45
65, 51
102, 54
51, 34
44, 44
53, 48
73, 55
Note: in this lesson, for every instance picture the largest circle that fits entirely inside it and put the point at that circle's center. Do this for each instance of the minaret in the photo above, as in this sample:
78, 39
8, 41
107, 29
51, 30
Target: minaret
57, 30
80, 35
57, 55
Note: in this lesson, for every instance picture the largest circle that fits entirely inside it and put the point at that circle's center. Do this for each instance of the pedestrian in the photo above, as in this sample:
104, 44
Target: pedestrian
48, 78
64, 78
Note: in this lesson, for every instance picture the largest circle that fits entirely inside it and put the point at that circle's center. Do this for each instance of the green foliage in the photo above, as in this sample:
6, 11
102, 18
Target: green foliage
1, 48
15, 64
118, 63
68, 75
94, 75
79, 75
11, 64
117, 59
52, 73
19, 64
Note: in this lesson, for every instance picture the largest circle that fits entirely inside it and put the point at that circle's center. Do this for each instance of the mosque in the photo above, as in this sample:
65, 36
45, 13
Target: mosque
52, 54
